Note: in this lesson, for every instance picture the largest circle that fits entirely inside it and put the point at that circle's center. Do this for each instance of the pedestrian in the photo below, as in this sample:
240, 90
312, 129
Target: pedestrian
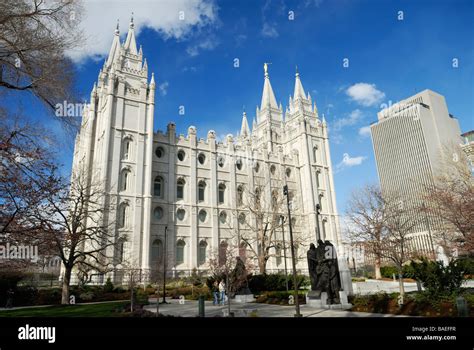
222, 292
215, 292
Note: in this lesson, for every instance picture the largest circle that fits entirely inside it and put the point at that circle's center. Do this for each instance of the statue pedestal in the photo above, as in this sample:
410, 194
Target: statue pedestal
321, 302
244, 298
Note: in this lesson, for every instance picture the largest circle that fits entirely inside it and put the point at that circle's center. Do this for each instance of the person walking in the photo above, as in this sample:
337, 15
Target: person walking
215, 292
222, 292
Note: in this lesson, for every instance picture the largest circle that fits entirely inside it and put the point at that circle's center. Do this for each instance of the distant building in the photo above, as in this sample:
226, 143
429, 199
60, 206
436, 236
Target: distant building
409, 140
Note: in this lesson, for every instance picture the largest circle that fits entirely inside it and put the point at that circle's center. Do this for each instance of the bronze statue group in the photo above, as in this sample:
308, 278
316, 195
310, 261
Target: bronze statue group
324, 271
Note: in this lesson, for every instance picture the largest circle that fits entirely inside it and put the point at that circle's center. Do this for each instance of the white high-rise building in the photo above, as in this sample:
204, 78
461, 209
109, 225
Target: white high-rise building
194, 187
410, 140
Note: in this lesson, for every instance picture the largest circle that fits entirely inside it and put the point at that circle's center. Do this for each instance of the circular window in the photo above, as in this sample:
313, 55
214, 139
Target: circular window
223, 217
257, 167
288, 172
181, 155
272, 170
242, 218
202, 215
158, 213
180, 214
159, 152
239, 164
201, 158
221, 161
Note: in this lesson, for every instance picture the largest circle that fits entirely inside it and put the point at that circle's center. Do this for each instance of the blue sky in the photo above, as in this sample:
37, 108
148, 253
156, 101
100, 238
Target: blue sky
193, 61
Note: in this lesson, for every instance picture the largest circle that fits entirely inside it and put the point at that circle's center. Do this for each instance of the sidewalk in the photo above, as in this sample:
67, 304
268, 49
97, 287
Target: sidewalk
190, 309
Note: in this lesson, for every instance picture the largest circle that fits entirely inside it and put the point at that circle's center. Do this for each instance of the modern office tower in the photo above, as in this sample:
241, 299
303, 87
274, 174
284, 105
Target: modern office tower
410, 140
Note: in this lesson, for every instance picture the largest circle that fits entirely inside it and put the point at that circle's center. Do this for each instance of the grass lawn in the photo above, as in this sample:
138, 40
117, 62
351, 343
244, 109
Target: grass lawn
89, 310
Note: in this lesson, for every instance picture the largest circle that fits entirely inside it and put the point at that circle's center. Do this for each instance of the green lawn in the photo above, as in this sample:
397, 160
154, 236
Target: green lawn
89, 310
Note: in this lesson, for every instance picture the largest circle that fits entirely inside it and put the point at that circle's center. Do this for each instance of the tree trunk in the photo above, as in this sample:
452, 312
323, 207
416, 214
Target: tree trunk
378, 274
262, 266
131, 299
66, 283
400, 282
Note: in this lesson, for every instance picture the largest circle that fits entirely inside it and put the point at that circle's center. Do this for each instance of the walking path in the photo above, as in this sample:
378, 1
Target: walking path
190, 309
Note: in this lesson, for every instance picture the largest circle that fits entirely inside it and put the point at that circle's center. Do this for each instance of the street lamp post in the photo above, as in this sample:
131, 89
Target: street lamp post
165, 256
282, 221
318, 212
295, 285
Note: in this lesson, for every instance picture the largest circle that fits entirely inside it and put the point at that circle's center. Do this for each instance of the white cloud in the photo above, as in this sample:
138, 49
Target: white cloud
269, 30
365, 94
364, 131
100, 18
163, 88
351, 119
348, 161
207, 44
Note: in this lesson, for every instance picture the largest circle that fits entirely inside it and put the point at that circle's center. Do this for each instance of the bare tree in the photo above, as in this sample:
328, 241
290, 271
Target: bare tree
75, 220
221, 265
27, 174
264, 205
366, 214
450, 201
34, 35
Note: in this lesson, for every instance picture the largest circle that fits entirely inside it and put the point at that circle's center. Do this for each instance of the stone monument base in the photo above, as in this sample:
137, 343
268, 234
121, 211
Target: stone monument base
244, 298
322, 301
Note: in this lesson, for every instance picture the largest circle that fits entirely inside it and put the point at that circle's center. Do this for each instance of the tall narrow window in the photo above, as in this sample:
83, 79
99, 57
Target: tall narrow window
202, 252
315, 154
222, 253
157, 252
180, 251
180, 189
122, 215
257, 196
126, 148
120, 251
275, 199
240, 195
201, 190
158, 187
125, 180
278, 254
221, 193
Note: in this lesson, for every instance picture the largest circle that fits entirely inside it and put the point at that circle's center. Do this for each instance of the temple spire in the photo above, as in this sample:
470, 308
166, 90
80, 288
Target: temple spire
244, 129
268, 97
115, 48
130, 43
299, 91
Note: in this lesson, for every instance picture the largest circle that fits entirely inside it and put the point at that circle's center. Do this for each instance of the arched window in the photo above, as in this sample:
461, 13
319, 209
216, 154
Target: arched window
127, 148
239, 164
123, 215
222, 253
257, 195
201, 158
180, 189
256, 167
288, 172
157, 252
181, 213
315, 154
243, 251
202, 254
275, 199
125, 181
201, 191
158, 187
240, 195
272, 169
181, 155
278, 254
241, 218
180, 251
221, 193
221, 161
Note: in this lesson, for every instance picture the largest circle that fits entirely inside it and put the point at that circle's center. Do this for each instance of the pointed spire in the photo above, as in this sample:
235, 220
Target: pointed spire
244, 129
140, 51
299, 91
254, 124
130, 43
115, 48
268, 97
152, 81
145, 65
324, 120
